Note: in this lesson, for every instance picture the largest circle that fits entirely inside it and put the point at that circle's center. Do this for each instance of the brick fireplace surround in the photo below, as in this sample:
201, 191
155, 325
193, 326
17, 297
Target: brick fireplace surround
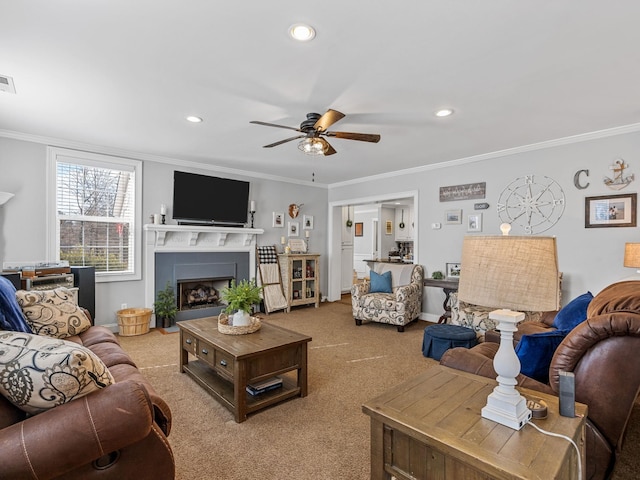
179, 252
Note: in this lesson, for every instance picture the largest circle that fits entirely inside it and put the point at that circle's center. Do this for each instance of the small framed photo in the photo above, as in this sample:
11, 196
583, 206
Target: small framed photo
610, 211
307, 222
389, 227
359, 229
474, 222
294, 229
453, 217
278, 220
453, 270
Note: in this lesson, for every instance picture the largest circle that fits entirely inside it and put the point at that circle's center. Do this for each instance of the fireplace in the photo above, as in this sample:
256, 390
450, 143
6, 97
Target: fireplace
195, 254
200, 293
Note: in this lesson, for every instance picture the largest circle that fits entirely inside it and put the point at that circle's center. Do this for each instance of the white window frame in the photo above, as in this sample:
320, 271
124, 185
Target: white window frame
55, 155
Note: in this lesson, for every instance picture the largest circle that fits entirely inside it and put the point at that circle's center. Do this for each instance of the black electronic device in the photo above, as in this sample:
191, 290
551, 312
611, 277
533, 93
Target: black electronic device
567, 390
85, 279
208, 200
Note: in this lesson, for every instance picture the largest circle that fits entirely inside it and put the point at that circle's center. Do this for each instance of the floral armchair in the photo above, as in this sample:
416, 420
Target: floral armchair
477, 318
400, 307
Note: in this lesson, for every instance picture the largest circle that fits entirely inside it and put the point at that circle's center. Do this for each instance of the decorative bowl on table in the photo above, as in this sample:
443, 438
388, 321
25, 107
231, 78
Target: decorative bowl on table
225, 326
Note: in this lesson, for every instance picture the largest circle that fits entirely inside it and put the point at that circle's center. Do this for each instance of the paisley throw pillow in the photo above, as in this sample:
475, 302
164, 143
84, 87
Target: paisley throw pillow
38, 373
52, 312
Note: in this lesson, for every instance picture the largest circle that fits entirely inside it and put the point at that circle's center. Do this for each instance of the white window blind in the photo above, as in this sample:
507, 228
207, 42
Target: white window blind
95, 214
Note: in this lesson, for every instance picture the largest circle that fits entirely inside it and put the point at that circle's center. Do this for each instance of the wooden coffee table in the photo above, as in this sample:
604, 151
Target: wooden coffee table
225, 364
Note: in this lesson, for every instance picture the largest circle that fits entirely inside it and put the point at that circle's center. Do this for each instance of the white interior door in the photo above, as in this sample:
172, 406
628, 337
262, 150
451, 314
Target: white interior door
375, 239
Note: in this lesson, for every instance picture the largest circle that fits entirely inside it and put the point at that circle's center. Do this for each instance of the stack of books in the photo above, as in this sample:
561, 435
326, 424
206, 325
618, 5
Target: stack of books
264, 386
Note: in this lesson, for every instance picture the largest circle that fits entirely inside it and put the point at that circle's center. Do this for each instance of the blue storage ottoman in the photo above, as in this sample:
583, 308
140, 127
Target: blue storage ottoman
440, 338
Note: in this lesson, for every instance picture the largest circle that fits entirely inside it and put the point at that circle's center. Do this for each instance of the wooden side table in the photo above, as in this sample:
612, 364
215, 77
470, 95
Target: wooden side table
448, 286
430, 427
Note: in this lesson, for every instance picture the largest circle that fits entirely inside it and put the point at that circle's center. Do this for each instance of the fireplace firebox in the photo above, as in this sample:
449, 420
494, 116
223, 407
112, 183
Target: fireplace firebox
201, 292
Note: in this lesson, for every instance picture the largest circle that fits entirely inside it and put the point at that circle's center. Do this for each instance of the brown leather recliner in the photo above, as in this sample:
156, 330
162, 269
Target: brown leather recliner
602, 352
117, 432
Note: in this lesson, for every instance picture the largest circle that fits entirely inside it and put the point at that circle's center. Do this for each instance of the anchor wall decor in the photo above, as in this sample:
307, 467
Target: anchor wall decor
619, 180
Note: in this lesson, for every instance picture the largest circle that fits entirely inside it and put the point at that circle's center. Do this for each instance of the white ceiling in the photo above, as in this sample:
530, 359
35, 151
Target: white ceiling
124, 74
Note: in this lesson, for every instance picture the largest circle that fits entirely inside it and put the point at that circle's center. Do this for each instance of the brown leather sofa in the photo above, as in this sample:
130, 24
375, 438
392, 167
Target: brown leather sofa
602, 352
117, 432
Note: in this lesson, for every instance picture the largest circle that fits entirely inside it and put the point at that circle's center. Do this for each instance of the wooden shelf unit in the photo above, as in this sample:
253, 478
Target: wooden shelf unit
300, 278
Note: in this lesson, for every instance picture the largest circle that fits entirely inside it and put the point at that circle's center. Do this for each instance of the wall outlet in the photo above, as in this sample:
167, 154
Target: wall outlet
123, 306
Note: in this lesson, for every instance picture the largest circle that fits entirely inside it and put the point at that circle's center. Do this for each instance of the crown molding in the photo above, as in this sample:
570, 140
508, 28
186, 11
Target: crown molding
85, 147
583, 137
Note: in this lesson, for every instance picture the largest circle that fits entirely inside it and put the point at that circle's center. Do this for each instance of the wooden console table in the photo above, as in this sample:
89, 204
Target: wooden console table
225, 364
430, 428
448, 286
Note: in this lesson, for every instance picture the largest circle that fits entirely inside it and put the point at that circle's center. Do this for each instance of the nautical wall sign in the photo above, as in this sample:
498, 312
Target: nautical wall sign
533, 202
619, 180
480, 206
463, 192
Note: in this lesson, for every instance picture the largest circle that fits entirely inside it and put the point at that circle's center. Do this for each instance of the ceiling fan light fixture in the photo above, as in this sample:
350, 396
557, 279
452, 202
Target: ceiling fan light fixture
302, 32
312, 146
444, 112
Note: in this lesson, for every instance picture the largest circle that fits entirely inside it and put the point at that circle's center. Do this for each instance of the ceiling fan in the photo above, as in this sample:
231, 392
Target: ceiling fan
314, 128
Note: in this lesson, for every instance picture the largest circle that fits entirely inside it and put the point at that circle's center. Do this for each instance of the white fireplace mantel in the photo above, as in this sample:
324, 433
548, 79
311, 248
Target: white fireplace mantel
190, 238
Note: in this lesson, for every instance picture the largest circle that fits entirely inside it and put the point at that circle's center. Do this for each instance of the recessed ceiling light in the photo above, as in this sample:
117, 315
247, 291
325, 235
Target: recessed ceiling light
194, 119
302, 32
444, 112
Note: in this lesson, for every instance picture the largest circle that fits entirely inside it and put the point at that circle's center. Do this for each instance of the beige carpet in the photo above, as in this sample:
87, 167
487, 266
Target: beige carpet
322, 436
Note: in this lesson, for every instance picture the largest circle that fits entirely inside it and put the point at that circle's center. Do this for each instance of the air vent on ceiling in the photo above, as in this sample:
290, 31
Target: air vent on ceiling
6, 84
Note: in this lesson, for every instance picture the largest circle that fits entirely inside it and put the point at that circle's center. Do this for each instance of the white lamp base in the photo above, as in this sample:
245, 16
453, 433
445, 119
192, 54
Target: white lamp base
505, 405
508, 410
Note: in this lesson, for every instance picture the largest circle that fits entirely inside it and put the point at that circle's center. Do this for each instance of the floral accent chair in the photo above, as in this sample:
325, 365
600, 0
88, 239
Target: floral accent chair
477, 318
399, 307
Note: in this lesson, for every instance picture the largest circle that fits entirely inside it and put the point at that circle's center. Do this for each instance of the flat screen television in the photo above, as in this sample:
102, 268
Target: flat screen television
208, 200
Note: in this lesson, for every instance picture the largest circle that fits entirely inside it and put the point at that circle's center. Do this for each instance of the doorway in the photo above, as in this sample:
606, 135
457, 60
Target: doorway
334, 263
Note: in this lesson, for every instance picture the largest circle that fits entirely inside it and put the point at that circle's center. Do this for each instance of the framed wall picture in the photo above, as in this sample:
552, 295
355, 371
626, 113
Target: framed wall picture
359, 229
294, 229
307, 222
610, 211
453, 270
474, 222
389, 227
278, 220
453, 217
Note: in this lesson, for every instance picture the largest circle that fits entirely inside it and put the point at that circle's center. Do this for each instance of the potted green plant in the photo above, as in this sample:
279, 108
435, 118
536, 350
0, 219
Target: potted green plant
165, 307
240, 298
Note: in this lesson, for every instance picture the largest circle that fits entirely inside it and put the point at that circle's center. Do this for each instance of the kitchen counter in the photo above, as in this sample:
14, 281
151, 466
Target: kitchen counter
369, 262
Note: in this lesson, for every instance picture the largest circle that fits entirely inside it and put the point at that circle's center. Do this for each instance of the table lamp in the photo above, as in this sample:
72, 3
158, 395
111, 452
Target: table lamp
509, 273
632, 255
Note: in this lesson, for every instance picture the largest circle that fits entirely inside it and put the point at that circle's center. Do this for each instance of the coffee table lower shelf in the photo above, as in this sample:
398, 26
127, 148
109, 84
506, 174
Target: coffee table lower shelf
222, 389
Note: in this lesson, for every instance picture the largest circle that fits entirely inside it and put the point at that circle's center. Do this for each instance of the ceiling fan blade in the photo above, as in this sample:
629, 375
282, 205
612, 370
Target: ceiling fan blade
274, 125
363, 137
328, 119
328, 149
283, 141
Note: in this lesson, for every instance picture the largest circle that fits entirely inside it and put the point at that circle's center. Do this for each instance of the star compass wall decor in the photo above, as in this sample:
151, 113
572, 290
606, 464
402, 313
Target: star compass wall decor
533, 202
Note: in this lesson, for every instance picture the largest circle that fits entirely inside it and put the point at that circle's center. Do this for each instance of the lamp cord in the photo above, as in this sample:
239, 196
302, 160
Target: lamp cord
552, 434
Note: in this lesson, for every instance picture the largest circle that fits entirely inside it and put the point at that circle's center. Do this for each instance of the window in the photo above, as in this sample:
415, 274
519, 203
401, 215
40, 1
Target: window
95, 212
